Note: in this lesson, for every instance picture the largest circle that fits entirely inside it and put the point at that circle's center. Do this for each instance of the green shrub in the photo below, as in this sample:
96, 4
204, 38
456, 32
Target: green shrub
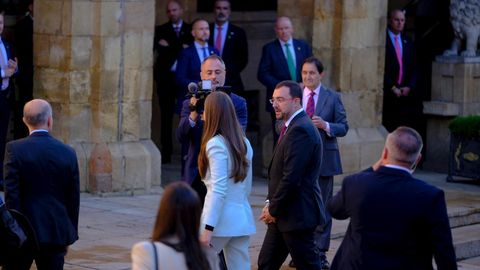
466, 126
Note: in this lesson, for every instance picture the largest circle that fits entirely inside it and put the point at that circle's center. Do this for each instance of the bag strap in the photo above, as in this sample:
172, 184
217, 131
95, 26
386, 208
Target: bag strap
155, 256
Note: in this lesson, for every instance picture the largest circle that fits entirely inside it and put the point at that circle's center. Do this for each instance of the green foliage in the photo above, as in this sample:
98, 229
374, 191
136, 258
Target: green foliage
466, 126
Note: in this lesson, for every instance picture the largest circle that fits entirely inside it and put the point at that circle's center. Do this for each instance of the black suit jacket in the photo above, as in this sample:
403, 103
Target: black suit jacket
273, 67
42, 182
293, 190
396, 222
234, 54
166, 55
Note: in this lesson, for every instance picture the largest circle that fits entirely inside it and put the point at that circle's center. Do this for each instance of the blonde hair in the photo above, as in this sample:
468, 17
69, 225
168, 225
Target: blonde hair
221, 119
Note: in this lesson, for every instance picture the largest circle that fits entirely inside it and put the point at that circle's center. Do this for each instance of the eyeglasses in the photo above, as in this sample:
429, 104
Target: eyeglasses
278, 100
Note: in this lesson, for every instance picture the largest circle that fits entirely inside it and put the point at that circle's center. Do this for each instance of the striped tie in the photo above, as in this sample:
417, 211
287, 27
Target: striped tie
311, 105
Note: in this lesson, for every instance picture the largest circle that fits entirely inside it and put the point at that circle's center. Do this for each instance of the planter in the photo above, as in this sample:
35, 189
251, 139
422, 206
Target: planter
464, 157
464, 147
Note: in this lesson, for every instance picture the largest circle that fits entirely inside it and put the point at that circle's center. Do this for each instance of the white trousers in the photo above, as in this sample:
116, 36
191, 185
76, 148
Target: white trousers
235, 250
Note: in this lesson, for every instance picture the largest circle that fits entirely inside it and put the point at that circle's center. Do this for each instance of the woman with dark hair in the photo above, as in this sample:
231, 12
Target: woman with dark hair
225, 165
175, 239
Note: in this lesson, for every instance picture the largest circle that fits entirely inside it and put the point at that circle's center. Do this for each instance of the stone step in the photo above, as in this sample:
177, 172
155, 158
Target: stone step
466, 240
463, 216
469, 264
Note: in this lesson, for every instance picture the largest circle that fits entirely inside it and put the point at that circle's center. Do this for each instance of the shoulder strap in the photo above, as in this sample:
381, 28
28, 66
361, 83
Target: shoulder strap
155, 256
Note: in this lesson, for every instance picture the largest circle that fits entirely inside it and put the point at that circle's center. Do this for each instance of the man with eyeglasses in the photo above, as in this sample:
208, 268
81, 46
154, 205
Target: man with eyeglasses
294, 206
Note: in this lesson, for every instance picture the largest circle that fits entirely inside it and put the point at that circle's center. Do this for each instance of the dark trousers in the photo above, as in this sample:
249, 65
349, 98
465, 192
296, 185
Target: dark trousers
300, 244
46, 258
167, 91
4, 120
322, 233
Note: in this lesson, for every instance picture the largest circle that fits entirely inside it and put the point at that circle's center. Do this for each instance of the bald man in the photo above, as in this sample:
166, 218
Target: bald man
281, 60
42, 182
396, 221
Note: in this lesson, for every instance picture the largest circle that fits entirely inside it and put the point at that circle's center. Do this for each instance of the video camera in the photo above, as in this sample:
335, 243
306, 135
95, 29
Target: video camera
200, 91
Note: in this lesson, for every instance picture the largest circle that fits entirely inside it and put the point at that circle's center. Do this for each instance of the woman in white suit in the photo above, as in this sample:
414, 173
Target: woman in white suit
225, 165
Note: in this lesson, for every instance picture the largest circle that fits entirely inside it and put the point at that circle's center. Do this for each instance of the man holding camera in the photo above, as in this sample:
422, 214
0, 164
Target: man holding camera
190, 127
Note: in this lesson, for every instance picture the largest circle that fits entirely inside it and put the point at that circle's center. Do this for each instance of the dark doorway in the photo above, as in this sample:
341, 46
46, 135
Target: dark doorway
240, 5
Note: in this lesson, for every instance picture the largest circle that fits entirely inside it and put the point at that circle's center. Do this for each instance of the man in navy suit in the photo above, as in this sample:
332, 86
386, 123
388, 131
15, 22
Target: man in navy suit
189, 60
325, 108
231, 42
281, 60
42, 182
396, 221
8, 67
190, 127
170, 38
402, 102
294, 206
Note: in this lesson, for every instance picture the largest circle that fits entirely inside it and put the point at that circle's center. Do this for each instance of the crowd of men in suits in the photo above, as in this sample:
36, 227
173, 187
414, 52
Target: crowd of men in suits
396, 221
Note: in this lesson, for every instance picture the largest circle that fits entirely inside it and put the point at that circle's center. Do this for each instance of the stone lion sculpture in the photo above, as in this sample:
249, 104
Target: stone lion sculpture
465, 19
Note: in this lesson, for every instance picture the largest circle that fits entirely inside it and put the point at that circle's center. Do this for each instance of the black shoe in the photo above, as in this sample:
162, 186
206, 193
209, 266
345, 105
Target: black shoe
324, 262
291, 264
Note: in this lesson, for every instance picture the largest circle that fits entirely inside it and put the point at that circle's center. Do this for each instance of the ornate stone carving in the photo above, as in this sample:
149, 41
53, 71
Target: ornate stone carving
465, 19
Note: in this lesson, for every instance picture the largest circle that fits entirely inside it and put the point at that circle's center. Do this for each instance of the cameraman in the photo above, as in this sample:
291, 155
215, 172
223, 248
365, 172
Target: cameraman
190, 127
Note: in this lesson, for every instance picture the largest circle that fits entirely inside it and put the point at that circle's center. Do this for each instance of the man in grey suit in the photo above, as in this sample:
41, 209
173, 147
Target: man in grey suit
326, 110
294, 208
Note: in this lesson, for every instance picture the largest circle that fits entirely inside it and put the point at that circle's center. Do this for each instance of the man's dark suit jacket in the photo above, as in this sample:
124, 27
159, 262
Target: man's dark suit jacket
167, 55
42, 182
330, 108
190, 137
6, 97
397, 110
188, 69
396, 222
273, 67
234, 54
293, 190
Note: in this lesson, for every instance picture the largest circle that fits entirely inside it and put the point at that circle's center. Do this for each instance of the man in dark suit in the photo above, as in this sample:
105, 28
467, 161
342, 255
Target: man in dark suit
189, 60
396, 221
170, 38
281, 60
8, 67
325, 108
294, 206
402, 102
42, 182
190, 127
231, 42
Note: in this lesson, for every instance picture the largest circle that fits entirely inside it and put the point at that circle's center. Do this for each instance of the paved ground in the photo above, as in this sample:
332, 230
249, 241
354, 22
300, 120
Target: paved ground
110, 225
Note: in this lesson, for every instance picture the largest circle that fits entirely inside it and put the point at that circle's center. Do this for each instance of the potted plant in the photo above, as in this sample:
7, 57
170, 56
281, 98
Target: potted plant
464, 147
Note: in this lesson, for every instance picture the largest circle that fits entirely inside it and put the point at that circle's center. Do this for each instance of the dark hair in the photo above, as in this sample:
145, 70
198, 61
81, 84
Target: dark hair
228, 1
179, 215
197, 20
315, 61
222, 119
294, 88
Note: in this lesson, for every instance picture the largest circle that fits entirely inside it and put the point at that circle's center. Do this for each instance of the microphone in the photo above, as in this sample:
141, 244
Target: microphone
192, 87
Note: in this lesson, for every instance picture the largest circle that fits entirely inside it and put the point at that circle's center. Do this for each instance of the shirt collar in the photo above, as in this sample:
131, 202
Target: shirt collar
392, 35
306, 90
38, 130
287, 123
224, 26
198, 46
398, 168
290, 41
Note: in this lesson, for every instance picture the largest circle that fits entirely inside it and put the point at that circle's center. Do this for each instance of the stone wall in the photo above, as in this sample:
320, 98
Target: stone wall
93, 63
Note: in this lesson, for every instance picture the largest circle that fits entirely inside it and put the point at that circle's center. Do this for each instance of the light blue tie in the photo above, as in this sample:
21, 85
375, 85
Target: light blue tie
205, 52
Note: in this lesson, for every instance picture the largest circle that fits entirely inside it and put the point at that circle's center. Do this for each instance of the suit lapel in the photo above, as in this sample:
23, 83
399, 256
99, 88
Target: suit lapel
322, 99
298, 55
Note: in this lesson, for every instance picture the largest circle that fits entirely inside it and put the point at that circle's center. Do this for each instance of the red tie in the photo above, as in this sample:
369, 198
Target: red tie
218, 40
398, 50
284, 129
311, 105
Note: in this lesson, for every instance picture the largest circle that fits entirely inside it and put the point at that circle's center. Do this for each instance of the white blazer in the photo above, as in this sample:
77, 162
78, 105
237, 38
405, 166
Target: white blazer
226, 205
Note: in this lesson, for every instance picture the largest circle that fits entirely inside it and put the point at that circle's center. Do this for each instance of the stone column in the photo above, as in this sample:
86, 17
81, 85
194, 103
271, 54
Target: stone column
93, 63
348, 36
455, 92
